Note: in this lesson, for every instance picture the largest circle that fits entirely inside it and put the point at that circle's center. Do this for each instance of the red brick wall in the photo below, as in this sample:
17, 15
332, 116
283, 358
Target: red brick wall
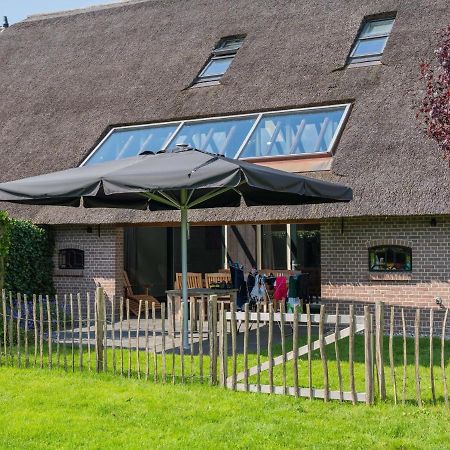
346, 278
103, 252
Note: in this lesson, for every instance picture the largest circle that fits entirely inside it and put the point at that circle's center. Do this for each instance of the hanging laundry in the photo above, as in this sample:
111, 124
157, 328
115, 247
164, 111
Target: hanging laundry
259, 289
281, 289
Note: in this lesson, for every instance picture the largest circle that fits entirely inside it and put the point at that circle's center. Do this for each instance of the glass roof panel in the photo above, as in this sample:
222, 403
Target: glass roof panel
126, 142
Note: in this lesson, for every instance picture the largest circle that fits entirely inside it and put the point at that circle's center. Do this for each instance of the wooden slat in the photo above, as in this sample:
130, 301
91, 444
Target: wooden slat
138, 332
221, 356
80, 332
182, 342
405, 358
337, 353
379, 309
5, 326
64, 332
295, 350
351, 353
147, 356
283, 344
25, 306
128, 337
433, 391
88, 319
58, 333
163, 342
105, 337
258, 345
11, 329
214, 336
323, 355
19, 319
191, 335
72, 329
200, 341
172, 321
302, 392
444, 377
41, 332
121, 335
417, 357
49, 330
330, 319
309, 350
391, 353
368, 368
233, 346
269, 349
155, 356
113, 334
246, 336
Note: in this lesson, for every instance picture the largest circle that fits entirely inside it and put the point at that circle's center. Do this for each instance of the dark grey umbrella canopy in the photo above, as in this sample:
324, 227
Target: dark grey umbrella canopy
122, 183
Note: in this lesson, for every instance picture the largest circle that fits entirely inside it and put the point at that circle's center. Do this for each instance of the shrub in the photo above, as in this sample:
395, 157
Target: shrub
29, 263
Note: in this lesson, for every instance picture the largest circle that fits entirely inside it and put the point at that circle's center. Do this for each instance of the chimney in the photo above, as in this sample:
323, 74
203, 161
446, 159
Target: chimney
5, 22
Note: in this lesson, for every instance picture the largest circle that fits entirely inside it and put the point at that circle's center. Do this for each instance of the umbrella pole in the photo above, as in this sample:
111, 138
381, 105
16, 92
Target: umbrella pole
184, 287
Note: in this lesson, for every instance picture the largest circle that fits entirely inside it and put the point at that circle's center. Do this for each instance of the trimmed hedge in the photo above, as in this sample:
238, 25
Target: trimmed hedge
29, 262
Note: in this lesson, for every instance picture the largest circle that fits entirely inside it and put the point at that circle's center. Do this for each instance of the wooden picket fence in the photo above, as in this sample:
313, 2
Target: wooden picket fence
71, 334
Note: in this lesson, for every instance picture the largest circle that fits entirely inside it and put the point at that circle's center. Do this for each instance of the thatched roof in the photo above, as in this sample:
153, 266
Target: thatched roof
66, 78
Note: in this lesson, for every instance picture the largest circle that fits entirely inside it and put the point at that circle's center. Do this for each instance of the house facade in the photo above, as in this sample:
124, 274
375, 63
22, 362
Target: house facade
325, 88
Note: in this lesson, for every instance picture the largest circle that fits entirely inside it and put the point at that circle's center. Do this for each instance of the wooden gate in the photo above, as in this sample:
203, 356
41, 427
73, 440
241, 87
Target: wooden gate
342, 326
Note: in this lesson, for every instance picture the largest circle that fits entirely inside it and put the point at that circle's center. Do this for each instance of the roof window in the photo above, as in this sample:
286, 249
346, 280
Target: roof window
371, 40
271, 134
219, 60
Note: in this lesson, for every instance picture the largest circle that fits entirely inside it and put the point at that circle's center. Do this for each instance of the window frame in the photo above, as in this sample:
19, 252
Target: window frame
218, 53
258, 116
393, 246
62, 254
369, 57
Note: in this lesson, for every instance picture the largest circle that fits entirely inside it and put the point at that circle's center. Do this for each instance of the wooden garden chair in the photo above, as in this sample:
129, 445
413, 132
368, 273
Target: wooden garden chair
194, 280
211, 278
134, 299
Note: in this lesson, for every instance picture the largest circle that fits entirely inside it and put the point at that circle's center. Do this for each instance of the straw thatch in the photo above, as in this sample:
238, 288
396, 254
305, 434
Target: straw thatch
66, 78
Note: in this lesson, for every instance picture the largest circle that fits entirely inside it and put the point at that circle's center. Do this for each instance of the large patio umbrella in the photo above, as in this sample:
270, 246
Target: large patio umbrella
181, 180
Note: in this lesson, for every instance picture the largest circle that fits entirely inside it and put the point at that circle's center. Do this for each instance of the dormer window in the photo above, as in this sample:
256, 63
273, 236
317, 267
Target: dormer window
220, 59
371, 41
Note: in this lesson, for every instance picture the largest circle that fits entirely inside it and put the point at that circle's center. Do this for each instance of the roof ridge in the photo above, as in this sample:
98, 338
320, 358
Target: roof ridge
107, 4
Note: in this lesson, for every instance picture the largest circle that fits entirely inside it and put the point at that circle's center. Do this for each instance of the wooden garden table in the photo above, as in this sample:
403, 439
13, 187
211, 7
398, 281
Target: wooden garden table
203, 293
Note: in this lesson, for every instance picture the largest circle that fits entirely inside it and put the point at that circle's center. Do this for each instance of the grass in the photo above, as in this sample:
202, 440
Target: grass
40, 408
43, 409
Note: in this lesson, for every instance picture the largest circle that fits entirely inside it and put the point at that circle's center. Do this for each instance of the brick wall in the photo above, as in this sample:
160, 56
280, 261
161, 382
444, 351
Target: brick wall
346, 278
103, 253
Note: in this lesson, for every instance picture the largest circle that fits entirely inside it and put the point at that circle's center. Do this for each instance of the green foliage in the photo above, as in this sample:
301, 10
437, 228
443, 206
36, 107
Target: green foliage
29, 264
5, 228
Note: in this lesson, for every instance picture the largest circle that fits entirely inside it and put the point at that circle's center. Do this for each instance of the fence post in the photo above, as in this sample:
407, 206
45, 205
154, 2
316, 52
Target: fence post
213, 343
99, 330
379, 320
367, 356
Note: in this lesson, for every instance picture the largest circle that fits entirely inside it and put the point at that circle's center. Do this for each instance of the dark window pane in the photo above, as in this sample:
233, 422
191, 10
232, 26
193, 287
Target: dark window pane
274, 246
390, 258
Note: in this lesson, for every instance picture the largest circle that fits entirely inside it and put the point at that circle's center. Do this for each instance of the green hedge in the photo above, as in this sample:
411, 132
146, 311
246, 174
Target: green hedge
29, 263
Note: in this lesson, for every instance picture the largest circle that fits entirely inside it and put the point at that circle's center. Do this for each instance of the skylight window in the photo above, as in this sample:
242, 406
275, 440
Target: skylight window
220, 59
371, 41
276, 134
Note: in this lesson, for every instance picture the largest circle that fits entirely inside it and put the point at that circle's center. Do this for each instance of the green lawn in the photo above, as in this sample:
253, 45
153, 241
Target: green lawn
53, 409
42, 409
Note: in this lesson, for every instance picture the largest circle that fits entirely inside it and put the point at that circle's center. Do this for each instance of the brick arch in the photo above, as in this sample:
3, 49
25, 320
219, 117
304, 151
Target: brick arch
377, 242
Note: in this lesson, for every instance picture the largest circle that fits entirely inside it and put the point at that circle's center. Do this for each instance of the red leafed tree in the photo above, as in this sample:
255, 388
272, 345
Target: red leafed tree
434, 110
